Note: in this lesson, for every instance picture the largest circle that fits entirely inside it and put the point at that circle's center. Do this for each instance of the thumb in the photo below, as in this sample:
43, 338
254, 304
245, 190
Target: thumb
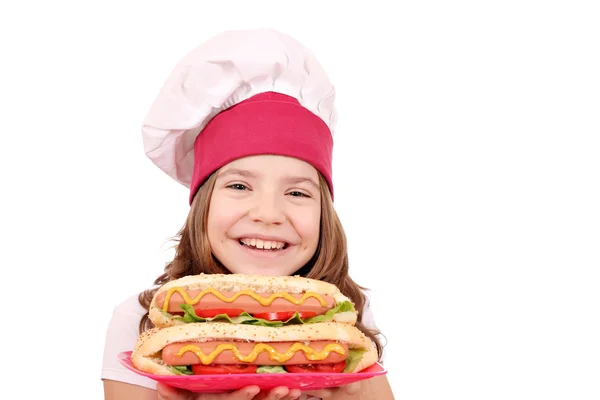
243, 394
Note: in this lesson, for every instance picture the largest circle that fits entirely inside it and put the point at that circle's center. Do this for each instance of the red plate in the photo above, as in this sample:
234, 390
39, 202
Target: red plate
224, 383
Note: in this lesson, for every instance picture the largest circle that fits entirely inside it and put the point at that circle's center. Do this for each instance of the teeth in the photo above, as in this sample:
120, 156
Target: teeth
262, 244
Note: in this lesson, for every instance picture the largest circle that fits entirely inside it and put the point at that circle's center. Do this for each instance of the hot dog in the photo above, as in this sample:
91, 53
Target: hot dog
217, 347
249, 299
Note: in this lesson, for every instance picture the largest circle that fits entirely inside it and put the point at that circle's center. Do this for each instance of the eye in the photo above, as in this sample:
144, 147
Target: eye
296, 193
238, 186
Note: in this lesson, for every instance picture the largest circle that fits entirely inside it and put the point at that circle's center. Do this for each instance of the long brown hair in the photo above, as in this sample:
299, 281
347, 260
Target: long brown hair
194, 256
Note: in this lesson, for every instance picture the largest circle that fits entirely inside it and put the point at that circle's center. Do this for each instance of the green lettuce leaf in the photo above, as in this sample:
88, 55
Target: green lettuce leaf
180, 369
271, 369
328, 316
354, 357
245, 318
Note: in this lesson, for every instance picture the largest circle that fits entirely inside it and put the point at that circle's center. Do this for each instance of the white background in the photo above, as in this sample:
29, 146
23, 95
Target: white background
467, 176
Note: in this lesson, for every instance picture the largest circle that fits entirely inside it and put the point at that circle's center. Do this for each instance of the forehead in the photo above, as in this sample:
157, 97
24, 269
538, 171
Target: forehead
271, 166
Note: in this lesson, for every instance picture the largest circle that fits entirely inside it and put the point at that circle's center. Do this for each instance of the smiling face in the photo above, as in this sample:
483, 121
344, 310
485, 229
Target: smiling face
265, 214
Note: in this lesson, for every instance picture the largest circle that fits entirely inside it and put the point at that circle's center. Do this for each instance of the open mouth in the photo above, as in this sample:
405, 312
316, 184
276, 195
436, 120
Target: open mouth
263, 245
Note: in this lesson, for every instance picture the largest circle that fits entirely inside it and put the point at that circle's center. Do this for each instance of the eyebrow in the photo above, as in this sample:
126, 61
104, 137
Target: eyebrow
235, 171
301, 179
248, 174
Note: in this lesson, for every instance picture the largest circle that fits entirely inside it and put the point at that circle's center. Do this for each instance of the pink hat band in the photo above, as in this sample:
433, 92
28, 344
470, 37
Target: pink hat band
266, 123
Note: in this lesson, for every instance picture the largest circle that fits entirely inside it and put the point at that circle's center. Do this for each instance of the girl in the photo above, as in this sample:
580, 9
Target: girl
245, 121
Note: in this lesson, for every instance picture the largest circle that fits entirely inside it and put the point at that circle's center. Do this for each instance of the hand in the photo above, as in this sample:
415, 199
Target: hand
166, 392
352, 388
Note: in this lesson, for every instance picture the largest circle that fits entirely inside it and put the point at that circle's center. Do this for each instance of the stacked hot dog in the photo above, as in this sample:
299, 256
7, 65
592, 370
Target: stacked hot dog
213, 324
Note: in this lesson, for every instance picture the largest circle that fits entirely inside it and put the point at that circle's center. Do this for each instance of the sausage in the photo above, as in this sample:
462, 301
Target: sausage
251, 306
170, 357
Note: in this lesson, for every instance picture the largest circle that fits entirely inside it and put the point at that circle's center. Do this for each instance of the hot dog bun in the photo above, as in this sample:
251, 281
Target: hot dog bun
257, 283
145, 355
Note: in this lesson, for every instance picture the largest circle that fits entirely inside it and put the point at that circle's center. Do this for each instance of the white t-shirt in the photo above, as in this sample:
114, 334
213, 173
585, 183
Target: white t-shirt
123, 332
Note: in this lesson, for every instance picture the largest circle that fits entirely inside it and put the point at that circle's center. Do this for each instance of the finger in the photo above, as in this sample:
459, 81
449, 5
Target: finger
323, 393
277, 393
294, 394
249, 392
170, 393
352, 388
166, 392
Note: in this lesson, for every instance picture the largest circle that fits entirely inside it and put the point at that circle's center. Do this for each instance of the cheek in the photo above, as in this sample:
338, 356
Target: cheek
223, 215
308, 227
219, 221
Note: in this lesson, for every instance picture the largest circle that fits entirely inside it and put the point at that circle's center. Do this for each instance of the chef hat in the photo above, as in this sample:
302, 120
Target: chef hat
241, 93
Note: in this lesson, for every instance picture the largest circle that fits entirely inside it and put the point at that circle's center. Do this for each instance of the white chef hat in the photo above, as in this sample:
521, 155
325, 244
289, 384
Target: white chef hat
238, 94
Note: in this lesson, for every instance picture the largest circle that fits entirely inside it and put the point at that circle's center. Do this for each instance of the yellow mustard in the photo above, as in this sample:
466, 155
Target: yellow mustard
262, 300
309, 352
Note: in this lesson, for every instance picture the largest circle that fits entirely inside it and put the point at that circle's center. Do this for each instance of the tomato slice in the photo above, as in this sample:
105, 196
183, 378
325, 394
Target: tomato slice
283, 316
325, 368
232, 312
201, 369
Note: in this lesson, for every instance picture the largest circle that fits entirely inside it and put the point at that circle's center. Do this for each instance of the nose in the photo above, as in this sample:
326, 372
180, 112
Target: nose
267, 209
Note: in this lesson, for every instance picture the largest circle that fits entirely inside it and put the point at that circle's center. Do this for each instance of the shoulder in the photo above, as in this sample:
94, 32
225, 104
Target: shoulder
121, 334
368, 319
367, 316
126, 317
130, 306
